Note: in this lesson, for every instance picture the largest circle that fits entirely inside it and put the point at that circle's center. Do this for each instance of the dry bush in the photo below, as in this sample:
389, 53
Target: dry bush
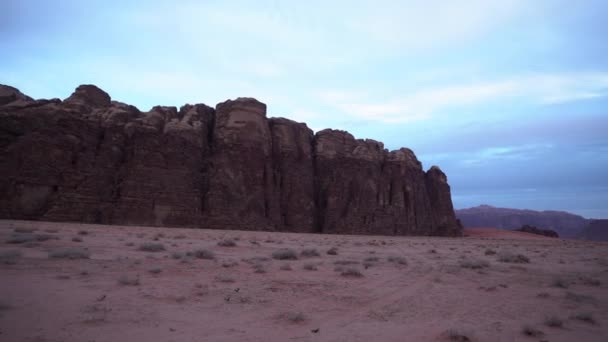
554, 322
295, 317
10, 257
310, 267
332, 251
203, 254
227, 243
128, 280
474, 264
457, 335
584, 317
350, 272
155, 270
285, 267
513, 258
397, 259
309, 252
530, 331
151, 247
77, 239
71, 253
284, 254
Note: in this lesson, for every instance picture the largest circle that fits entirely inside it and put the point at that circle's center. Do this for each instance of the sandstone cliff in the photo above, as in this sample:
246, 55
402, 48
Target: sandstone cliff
91, 159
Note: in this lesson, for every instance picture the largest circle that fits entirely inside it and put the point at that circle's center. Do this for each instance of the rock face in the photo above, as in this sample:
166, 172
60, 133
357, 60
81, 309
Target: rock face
567, 225
91, 159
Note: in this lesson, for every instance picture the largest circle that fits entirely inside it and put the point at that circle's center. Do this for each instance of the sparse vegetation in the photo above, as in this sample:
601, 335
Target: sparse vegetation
83, 232
530, 331
350, 272
513, 258
229, 263
397, 260
543, 295
590, 281
151, 247
155, 270
346, 262
332, 251
24, 230
295, 317
371, 259
474, 263
490, 252
77, 239
554, 322
203, 254
72, 253
285, 267
457, 336
584, 317
561, 283
259, 268
21, 238
309, 252
223, 278
226, 243
128, 280
310, 267
284, 254
579, 298
10, 257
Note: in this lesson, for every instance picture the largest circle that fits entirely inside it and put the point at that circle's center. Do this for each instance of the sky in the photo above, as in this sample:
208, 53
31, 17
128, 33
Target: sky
509, 97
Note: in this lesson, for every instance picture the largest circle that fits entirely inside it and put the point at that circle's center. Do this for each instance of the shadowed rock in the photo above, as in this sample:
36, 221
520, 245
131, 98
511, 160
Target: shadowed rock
91, 159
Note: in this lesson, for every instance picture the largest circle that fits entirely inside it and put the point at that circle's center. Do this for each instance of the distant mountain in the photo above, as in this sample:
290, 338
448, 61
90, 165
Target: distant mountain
567, 225
597, 230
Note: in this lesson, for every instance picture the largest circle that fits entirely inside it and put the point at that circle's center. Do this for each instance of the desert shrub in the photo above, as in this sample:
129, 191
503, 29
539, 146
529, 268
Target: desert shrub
310, 252
554, 322
332, 251
474, 264
543, 295
457, 335
579, 298
590, 281
285, 267
229, 263
24, 230
21, 238
310, 267
226, 243
346, 262
83, 232
513, 258
584, 317
371, 259
284, 254
128, 280
151, 247
129, 244
77, 239
255, 260
69, 253
397, 259
203, 254
155, 270
561, 283
295, 317
351, 272
224, 278
259, 268
177, 255
530, 331
490, 252
9, 257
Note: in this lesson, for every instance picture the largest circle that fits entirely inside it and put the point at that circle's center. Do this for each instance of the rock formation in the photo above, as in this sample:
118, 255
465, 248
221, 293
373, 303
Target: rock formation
538, 231
567, 225
91, 159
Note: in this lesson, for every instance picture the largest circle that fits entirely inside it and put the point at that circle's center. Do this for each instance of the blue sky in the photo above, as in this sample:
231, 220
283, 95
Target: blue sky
509, 97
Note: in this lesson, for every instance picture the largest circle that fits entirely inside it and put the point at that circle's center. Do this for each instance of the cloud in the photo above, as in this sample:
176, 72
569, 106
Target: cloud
536, 89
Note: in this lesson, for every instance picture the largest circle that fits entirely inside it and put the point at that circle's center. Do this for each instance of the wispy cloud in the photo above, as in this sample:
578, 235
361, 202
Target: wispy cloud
424, 104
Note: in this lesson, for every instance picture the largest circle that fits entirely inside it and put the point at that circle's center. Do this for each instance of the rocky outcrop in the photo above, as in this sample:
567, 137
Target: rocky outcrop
538, 231
567, 225
91, 159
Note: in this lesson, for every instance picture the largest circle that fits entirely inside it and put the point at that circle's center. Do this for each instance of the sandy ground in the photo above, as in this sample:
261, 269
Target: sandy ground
246, 295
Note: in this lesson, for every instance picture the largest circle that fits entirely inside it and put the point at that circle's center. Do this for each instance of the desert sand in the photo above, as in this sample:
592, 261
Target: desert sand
476, 288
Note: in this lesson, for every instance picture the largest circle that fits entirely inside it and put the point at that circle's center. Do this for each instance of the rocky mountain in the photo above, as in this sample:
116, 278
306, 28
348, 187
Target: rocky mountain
90, 159
567, 225
597, 230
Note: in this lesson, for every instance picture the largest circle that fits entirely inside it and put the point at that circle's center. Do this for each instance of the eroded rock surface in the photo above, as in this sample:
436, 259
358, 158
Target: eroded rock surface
90, 159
